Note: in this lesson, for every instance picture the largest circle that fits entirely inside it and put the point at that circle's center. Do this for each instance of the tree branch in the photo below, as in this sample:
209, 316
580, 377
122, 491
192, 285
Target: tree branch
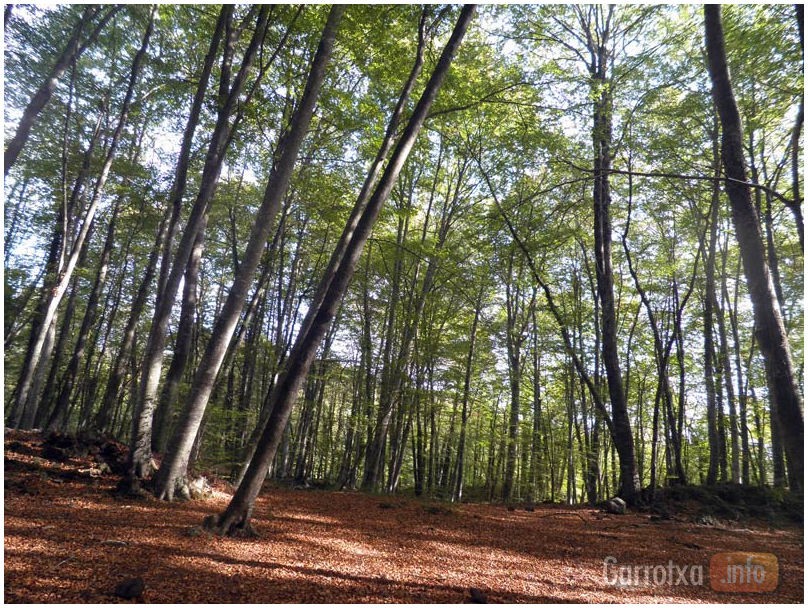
705, 178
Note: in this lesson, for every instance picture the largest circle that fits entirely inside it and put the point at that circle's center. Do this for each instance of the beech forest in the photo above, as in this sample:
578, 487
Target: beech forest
412, 303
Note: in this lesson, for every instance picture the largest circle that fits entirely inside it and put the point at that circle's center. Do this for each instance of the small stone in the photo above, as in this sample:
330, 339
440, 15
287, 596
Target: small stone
616, 506
706, 520
130, 589
194, 532
199, 488
477, 596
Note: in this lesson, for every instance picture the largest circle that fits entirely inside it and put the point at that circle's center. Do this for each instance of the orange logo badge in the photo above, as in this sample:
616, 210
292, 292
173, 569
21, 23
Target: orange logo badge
742, 572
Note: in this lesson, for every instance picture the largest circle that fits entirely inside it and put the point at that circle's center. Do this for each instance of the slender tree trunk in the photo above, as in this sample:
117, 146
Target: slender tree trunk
375, 453
182, 345
536, 487
140, 448
601, 137
363, 399
742, 393
237, 515
41, 397
58, 417
464, 413
71, 52
52, 272
795, 205
709, 348
102, 419
735, 456
172, 472
96, 359
378, 162
513, 339
55, 297
771, 333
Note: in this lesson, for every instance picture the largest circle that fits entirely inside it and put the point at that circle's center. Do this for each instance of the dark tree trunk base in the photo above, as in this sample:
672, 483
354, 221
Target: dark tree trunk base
131, 487
222, 525
174, 489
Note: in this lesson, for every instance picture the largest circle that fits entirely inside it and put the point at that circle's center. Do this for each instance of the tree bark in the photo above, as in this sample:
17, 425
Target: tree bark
103, 417
172, 472
771, 333
514, 333
71, 52
182, 345
58, 292
140, 447
237, 515
58, 417
602, 140
457, 495
723, 353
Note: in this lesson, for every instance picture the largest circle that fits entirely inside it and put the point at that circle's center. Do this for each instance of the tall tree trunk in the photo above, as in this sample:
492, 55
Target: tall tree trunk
52, 272
182, 345
513, 339
795, 206
374, 449
464, 412
742, 394
363, 398
103, 417
771, 333
373, 457
735, 456
71, 52
536, 485
58, 417
140, 448
171, 476
709, 347
58, 292
378, 162
237, 515
601, 86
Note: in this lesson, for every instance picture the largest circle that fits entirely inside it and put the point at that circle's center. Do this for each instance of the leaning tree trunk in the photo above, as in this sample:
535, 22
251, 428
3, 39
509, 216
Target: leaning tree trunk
236, 517
171, 476
58, 292
52, 272
103, 416
59, 415
375, 447
146, 400
182, 345
771, 333
71, 52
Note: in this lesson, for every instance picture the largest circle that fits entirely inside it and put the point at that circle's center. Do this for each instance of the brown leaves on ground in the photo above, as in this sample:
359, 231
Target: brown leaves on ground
68, 539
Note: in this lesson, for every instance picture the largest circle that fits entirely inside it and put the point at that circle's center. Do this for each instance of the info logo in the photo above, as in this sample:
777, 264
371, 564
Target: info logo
742, 572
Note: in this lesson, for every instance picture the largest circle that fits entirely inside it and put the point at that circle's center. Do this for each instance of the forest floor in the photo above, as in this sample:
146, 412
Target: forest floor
69, 539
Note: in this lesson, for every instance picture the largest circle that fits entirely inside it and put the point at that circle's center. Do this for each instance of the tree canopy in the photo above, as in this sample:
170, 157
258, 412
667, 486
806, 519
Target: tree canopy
499, 253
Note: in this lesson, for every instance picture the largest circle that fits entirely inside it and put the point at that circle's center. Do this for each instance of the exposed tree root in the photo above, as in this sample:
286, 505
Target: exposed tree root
223, 525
